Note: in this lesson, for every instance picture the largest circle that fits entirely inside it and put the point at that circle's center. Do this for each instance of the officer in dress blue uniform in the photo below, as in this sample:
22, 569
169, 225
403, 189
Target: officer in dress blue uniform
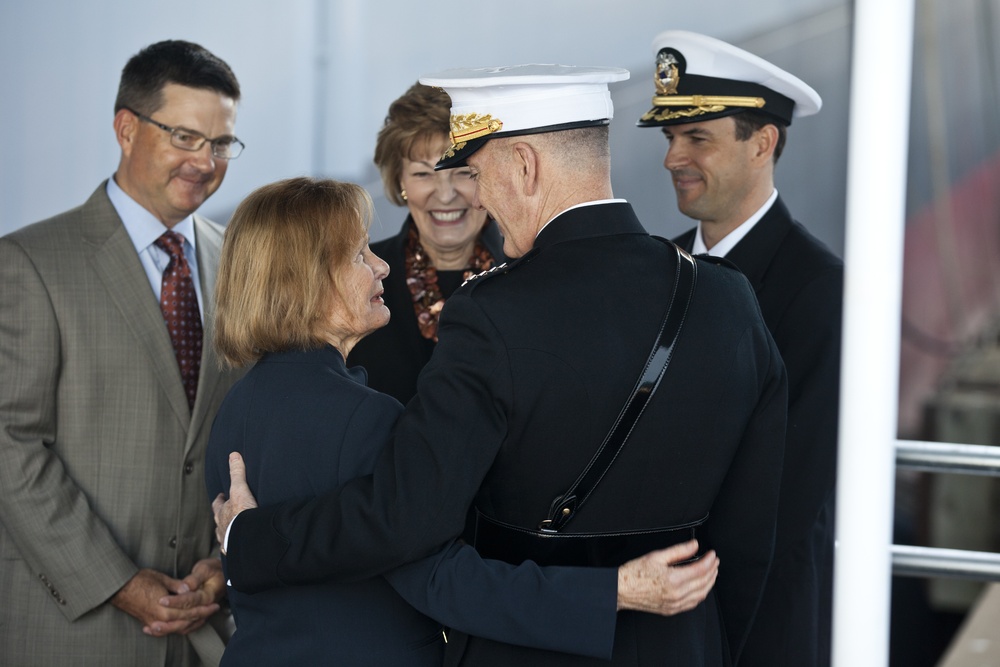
724, 112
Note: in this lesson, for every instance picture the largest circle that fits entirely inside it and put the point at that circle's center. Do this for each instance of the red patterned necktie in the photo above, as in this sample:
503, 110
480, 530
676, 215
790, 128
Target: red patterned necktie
179, 304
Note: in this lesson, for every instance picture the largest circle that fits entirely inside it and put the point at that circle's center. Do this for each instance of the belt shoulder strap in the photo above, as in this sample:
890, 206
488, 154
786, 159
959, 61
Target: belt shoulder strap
565, 506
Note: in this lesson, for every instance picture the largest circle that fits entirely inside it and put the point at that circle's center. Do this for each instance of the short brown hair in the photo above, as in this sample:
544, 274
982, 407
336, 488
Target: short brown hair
748, 122
417, 118
277, 282
172, 61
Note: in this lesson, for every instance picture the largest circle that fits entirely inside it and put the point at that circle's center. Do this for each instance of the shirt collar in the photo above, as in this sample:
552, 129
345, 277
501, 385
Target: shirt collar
142, 226
729, 241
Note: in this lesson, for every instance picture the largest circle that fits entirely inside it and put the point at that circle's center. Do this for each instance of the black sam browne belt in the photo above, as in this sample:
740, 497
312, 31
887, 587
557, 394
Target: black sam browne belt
502, 541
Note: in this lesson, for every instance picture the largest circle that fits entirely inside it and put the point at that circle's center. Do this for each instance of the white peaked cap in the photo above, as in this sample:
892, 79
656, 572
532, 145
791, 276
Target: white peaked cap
698, 77
492, 102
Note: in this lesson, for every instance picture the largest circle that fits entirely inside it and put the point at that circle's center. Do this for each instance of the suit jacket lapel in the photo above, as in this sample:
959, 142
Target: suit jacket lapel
753, 254
117, 265
209, 247
397, 294
686, 240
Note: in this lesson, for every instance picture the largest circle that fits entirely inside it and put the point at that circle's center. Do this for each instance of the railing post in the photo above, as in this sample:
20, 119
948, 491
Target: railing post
876, 187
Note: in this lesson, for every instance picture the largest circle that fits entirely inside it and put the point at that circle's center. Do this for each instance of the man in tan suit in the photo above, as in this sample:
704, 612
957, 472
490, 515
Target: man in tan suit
109, 387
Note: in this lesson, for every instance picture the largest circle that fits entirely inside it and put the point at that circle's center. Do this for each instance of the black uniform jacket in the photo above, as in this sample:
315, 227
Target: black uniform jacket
799, 285
395, 354
533, 365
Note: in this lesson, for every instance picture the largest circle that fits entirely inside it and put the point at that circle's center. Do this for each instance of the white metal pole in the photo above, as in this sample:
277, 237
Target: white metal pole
876, 189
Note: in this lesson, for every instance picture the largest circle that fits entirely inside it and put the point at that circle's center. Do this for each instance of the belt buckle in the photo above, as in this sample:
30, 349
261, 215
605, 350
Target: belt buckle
545, 527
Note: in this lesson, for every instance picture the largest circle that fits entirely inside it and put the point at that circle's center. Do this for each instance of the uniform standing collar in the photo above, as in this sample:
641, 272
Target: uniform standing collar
586, 203
591, 220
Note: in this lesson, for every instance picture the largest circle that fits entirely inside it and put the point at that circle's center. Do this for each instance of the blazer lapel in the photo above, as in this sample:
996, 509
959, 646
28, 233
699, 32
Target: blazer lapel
117, 265
753, 254
686, 240
397, 294
209, 242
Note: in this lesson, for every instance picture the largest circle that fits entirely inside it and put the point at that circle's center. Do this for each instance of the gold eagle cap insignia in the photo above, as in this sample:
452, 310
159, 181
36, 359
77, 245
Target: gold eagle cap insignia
667, 75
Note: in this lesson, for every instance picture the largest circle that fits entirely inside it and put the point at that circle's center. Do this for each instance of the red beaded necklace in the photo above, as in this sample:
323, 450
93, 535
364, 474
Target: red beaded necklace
422, 281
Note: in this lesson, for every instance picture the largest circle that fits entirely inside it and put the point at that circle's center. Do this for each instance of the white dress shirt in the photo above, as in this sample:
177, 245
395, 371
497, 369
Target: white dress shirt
729, 241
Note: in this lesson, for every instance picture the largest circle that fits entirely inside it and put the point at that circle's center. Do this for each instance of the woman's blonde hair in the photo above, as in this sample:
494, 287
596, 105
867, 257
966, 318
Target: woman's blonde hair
277, 278
415, 120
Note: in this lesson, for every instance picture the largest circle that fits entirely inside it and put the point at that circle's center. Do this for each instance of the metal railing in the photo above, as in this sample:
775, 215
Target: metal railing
928, 562
948, 457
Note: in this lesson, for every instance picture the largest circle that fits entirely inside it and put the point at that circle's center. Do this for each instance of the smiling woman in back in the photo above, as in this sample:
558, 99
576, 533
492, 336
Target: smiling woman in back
444, 240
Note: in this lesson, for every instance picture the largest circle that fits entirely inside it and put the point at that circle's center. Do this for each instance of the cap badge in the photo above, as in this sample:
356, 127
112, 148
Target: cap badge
667, 74
670, 66
469, 126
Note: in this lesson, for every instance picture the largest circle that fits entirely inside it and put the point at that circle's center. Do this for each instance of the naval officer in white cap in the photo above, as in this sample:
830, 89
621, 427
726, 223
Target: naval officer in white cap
541, 418
724, 112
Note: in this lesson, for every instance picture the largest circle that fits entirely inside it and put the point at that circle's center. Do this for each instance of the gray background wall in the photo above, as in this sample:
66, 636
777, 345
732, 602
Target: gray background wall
318, 77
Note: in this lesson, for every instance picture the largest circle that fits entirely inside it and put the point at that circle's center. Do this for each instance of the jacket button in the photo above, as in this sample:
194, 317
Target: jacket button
188, 468
52, 589
173, 542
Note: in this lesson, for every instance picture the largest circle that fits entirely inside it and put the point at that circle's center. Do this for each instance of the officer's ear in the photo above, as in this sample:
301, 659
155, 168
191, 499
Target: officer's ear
765, 142
526, 161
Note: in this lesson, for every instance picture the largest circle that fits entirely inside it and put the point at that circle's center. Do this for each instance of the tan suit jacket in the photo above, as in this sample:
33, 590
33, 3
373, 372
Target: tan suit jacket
101, 462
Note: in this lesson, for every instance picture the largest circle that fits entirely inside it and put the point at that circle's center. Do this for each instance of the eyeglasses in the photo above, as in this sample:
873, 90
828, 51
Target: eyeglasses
224, 148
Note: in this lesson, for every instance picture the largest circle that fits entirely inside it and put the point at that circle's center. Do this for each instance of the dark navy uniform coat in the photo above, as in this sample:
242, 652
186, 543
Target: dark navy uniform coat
799, 284
533, 365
